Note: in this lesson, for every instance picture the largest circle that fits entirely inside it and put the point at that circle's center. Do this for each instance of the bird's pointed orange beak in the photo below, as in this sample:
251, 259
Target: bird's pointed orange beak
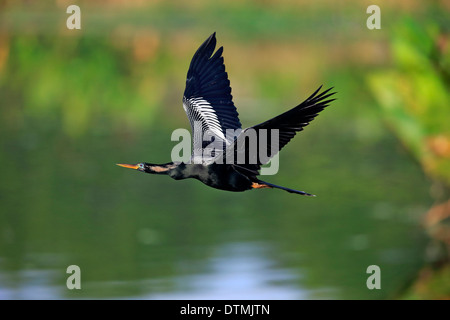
131, 166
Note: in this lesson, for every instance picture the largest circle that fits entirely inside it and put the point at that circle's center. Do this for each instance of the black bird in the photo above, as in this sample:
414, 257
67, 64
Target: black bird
208, 104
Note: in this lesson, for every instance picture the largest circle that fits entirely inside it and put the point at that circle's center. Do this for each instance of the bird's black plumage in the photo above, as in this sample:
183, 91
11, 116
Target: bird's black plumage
207, 97
287, 124
210, 109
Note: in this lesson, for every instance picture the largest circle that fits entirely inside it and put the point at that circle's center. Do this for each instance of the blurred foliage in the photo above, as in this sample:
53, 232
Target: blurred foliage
77, 81
431, 284
414, 94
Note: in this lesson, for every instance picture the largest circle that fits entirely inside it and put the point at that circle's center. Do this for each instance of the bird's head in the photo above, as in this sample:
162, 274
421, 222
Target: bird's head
150, 168
143, 167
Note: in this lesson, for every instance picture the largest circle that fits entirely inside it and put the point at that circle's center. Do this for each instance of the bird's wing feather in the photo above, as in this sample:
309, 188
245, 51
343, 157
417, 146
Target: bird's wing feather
207, 98
287, 124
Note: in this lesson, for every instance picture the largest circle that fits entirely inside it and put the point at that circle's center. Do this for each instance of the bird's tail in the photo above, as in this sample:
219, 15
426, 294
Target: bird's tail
261, 184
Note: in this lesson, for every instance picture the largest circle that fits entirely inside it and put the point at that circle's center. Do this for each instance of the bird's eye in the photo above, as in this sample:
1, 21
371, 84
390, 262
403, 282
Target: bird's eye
141, 166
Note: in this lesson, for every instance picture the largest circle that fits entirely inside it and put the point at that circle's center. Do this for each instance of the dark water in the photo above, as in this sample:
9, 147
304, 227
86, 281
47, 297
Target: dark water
64, 202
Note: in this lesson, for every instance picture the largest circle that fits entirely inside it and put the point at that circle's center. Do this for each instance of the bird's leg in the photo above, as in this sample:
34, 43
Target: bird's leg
256, 185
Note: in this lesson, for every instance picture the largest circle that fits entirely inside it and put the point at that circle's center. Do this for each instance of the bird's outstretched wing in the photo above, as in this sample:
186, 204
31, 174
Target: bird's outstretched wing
286, 124
207, 98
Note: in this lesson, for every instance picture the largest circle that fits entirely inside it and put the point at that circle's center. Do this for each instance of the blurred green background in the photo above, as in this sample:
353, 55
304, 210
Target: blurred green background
75, 102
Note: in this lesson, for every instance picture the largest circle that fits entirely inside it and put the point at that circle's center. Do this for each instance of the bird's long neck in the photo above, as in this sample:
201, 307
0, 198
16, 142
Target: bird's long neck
165, 168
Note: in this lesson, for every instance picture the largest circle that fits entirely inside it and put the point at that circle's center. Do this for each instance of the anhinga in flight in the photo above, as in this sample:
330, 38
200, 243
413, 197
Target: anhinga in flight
208, 104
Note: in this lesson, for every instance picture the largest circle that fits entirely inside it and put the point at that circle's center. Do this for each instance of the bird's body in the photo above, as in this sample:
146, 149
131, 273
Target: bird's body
208, 104
219, 176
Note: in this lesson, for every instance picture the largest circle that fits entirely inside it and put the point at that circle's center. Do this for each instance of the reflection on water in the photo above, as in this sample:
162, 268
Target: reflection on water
34, 284
239, 271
